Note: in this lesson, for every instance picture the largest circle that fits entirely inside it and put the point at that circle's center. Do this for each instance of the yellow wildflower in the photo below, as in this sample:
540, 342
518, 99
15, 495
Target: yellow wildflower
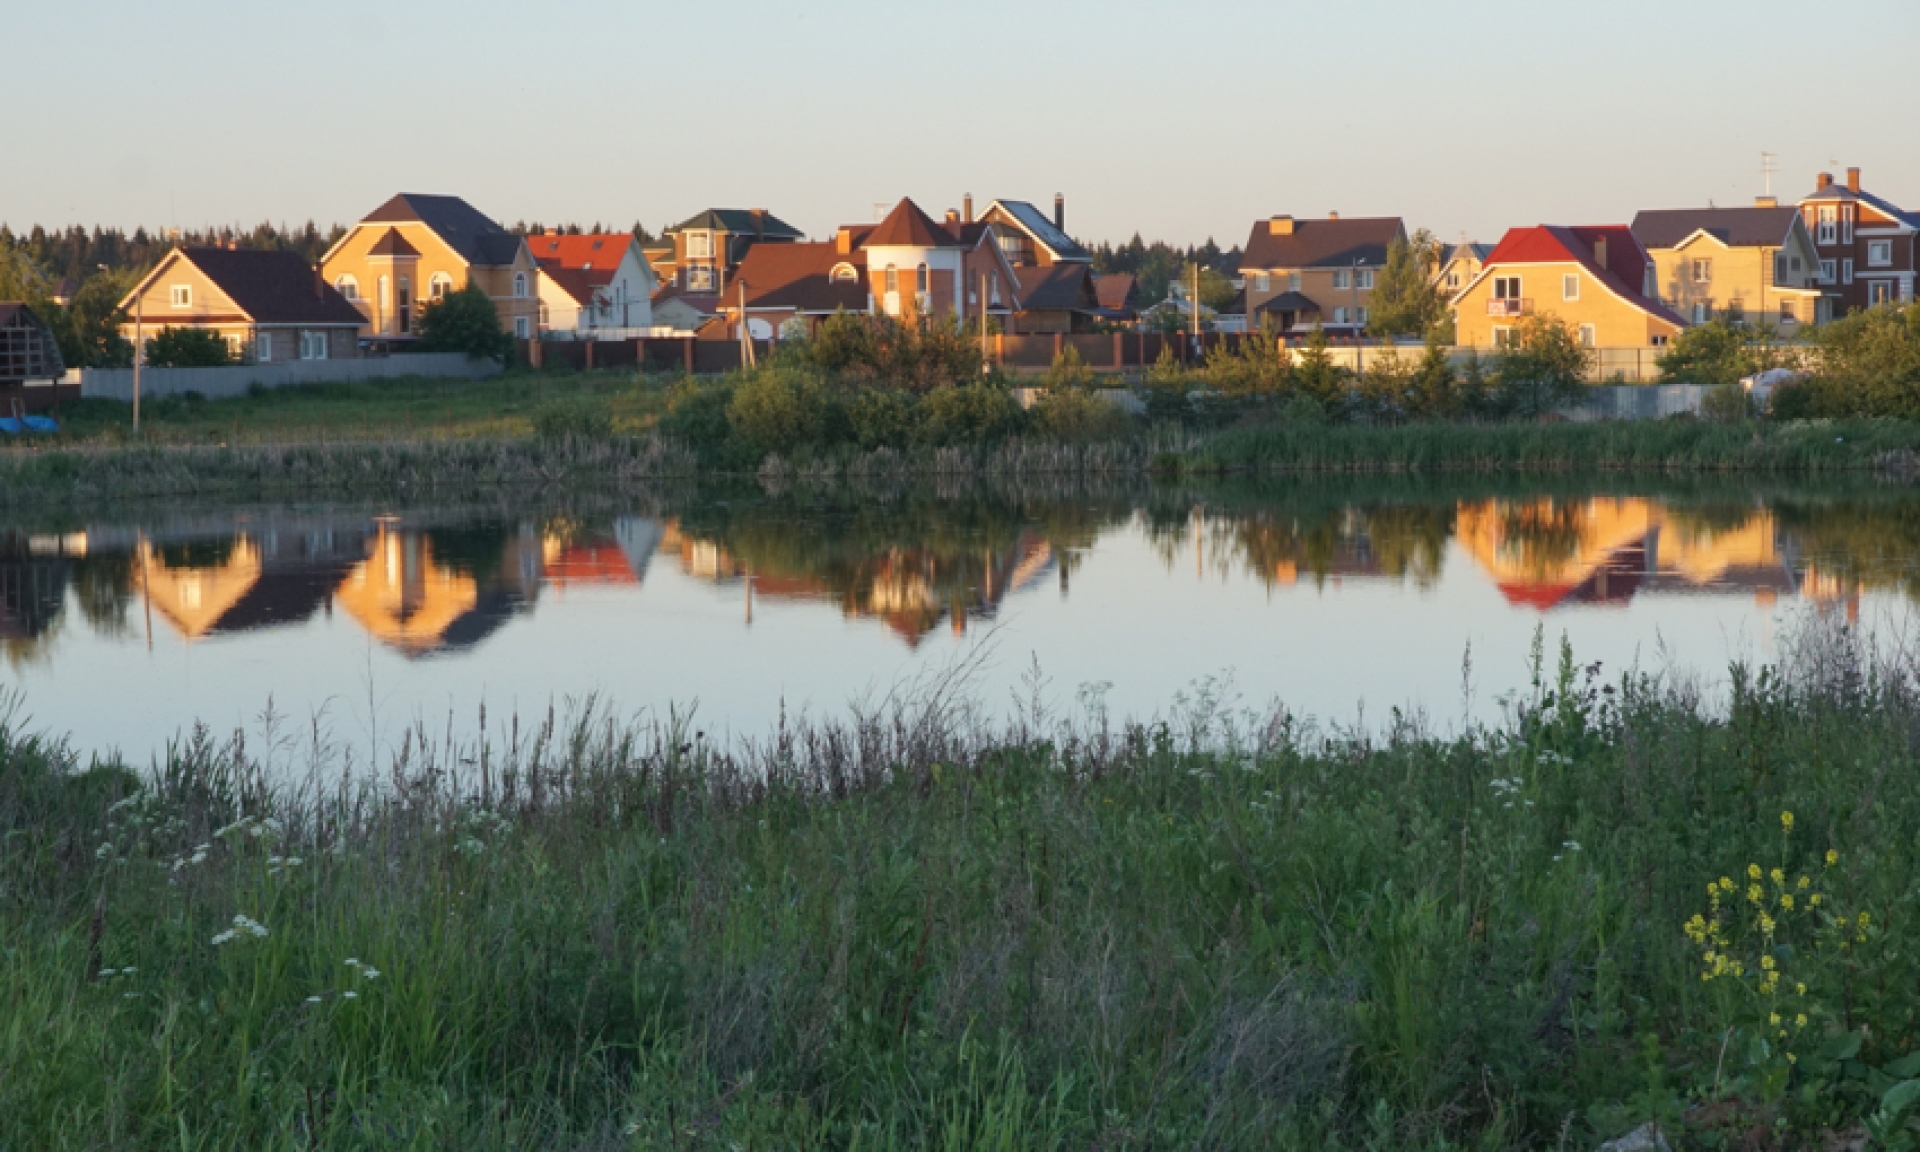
1753, 893
1777, 876
1753, 871
1863, 919
1786, 821
1726, 885
1800, 990
1774, 1019
1767, 963
1766, 924
1786, 901
1802, 883
1813, 901
1792, 1059
1833, 857
1800, 1021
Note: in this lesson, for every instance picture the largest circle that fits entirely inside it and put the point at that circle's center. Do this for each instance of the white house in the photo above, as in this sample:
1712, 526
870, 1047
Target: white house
598, 283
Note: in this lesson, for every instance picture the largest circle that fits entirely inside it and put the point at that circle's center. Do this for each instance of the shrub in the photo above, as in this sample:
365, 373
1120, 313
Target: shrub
1068, 370
1717, 352
968, 413
880, 417
697, 412
465, 321
1726, 403
779, 408
572, 418
1544, 369
187, 348
1077, 414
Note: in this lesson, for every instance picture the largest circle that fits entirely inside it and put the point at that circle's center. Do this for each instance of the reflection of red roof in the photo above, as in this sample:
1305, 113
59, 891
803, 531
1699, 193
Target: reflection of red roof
1537, 596
596, 563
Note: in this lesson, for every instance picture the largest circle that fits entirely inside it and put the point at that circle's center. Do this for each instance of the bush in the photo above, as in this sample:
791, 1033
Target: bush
697, 412
968, 414
572, 418
779, 408
1545, 369
465, 321
880, 417
187, 348
1068, 370
1726, 403
1077, 414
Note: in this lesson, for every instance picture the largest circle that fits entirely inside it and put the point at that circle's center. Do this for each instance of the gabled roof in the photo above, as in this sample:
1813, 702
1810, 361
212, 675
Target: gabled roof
575, 282
1472, 249
1322, 243
752, 221
586, 262
1734, 227
1288, 302
1622, 275
800, 276
477, 239
1067, 287
269, 287
1041, 228
908, 227
1115, 290
705, 303
391, 243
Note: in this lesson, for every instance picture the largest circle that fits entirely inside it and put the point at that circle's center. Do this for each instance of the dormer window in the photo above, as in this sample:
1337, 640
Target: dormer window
699, 245
180, 295
519, 285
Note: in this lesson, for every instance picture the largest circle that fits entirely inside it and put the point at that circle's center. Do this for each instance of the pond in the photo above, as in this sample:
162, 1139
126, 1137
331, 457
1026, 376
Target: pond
1342, 599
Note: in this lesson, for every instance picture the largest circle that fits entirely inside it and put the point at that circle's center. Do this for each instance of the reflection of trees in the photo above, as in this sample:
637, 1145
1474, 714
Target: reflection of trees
1867, 545
1315, 538
1545, 535
103, 587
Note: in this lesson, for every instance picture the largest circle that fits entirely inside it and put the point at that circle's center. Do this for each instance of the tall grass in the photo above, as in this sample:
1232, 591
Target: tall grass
921, 928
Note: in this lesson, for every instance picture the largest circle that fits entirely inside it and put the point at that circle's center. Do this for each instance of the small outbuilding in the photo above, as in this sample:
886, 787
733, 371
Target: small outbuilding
28, 350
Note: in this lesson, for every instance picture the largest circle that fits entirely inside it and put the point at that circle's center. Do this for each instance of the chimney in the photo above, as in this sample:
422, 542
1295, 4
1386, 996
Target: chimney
1280, 226
759, 220
1766, 202
1600, 251
966, 208
953, 218
844, 240
1853, 180
1060, 211
1823, 182
1333, 215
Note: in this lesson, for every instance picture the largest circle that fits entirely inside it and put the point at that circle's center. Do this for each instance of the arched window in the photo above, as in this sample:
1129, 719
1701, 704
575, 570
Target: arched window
995, 282
347, 286
844, 274
893, 279
519, 284
923, 282
439, 285
384, 295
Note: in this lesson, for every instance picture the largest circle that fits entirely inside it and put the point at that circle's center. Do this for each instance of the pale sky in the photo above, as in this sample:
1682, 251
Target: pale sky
1179, 120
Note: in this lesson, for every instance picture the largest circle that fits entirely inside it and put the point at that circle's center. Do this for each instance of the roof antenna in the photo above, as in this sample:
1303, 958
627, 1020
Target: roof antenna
1767, 168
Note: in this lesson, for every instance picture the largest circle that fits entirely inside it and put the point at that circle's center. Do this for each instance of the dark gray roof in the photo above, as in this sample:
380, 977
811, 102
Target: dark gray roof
477, 239
1040, 226
273, 287
753, 222
1288, 302
1322, 243
1736, 227
1057, 286
1474, 248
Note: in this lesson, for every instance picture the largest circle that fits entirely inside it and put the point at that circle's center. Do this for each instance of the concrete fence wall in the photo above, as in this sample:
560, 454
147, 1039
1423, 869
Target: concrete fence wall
236, 380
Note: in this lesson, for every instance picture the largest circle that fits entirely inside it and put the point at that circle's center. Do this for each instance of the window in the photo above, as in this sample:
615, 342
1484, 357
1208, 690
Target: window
1826, 231
1506, 287
922, 280
347, 286
1293, 281
1263, 283
234, 346
180, 295
519, 285
1587, 339
699, 245
439, 285
893, 280
1702, 313
406, 305
263, 348
1846, 271
1788, 315
1826, 271
1343, 279
385, 290
1879, 253
313, 345
1453, 280
1846, 224
1779, 268
1736, 313
1366, 280
521, 328
700, 279
1703, 271
1339, 315
1795, 264
1503, 337
1570, 286
1361, 315
993, 286
1879, 292
844, 274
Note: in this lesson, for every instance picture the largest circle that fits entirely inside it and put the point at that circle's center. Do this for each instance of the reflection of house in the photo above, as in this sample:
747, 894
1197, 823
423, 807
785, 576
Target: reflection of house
1546, 553
408, 598
621, 558
241, 584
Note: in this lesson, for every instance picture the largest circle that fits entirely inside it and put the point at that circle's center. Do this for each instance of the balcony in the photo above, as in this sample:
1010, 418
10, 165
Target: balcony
1509, 306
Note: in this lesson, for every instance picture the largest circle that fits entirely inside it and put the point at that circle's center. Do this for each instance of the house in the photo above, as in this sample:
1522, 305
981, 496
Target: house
593, 283
28, 349
681, 311
1303, 273
1868, 247
1059, 297
416, 249
700, 254
268, 306
1597, 279
1740, 264
1119, 296
1026, 235
907, 266
1460, 263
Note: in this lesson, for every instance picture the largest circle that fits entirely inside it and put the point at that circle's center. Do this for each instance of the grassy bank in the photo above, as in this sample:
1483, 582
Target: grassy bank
922, 930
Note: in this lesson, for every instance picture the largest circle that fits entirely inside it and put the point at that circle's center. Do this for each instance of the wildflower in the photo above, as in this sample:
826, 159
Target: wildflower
1726, 885
349, 995
1802, 883
1767, 962
370, 973
1800, 1020
1766, 924
1753, 893
1786, 821
1753, 871
1792, 1059
1786, 901
1813, 901
106, 973
1571, 845
1774, 1019
1800, 990
313, 999
1777, 876
1833, 857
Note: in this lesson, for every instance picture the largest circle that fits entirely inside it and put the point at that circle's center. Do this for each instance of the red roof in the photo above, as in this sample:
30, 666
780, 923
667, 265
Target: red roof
799, 276
580, 264
908, 227
1624, 273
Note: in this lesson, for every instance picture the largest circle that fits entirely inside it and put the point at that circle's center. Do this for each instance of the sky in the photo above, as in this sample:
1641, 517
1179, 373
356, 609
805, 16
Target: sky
1180, 121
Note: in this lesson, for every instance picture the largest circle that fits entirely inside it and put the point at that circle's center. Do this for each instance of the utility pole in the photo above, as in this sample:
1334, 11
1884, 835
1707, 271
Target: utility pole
139, 351
1353, 314
986, 358
1199, 344
746, 337
1767, 169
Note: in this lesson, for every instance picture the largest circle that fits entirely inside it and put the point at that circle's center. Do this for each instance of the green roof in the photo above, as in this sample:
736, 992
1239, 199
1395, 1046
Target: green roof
752, 222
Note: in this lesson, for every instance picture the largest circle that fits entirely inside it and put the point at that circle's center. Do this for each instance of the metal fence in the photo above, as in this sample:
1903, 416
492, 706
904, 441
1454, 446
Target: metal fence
237, 380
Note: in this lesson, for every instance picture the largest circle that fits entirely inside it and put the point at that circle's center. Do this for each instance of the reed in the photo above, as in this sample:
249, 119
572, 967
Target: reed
924, 926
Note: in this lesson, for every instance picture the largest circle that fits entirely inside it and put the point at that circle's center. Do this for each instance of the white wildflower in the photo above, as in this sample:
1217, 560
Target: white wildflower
104, 851
106, 973
313, 999
370, 973
1571, 845
222, 937
349, 995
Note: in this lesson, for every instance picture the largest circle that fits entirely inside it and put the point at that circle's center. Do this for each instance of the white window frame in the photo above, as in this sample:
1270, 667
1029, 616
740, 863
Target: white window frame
439, 286
1826, 224
1340, 314
1362, 315
1702, 313
1846, 270
348, 285
1503, 336
1789, 313
1366, 279
1701, 271
522, 328
1342, 280
180, 296
700, 278
263, 347
1293, 281
1499, 288
519, 285
700, 245
1588, 338
1847, 214
1879, 253
1263, 283
1828, 272
1570, 286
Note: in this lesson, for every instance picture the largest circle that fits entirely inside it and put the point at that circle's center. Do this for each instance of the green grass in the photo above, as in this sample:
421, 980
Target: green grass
922, 931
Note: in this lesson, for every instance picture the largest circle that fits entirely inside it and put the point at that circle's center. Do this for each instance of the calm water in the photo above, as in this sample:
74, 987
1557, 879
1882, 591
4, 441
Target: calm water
1335, 598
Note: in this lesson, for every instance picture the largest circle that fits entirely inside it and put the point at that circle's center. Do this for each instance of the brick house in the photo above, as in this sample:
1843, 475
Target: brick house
268, 306
1026, 235
1302, 273
700, 254
1597, 279
592, 282
415, 249
1868, 248
1739, 264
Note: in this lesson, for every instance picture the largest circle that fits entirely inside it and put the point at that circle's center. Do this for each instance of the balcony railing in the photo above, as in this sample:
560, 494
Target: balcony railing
1509, 306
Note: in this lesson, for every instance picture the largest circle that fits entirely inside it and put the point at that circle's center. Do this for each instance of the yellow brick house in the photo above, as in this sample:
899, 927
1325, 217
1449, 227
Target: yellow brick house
415, 249
1755, 264
1596, 279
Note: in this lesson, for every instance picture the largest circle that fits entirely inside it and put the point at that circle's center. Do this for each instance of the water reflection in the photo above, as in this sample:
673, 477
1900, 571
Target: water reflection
432, 584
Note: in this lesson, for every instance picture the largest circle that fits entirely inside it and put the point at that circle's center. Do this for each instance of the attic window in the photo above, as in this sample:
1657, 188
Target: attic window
699, 245
180, 295
844, 274
1703, 271
596, 245
587, 267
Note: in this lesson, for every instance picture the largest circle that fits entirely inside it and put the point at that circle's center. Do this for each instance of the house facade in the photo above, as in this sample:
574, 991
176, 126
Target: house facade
1459, 264
1747, 265
1303, 273
1026, 235
1869, 248
28, 348
416, 249
593, 283
701, 254
268, 307
1597, 279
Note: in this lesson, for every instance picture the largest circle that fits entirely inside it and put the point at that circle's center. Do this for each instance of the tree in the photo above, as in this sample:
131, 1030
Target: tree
465, 321
89, 326
187, 348
1545, 367
1433, 392
1316, 375
1405, 301
1717, 352
1869, 365
1216, 291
